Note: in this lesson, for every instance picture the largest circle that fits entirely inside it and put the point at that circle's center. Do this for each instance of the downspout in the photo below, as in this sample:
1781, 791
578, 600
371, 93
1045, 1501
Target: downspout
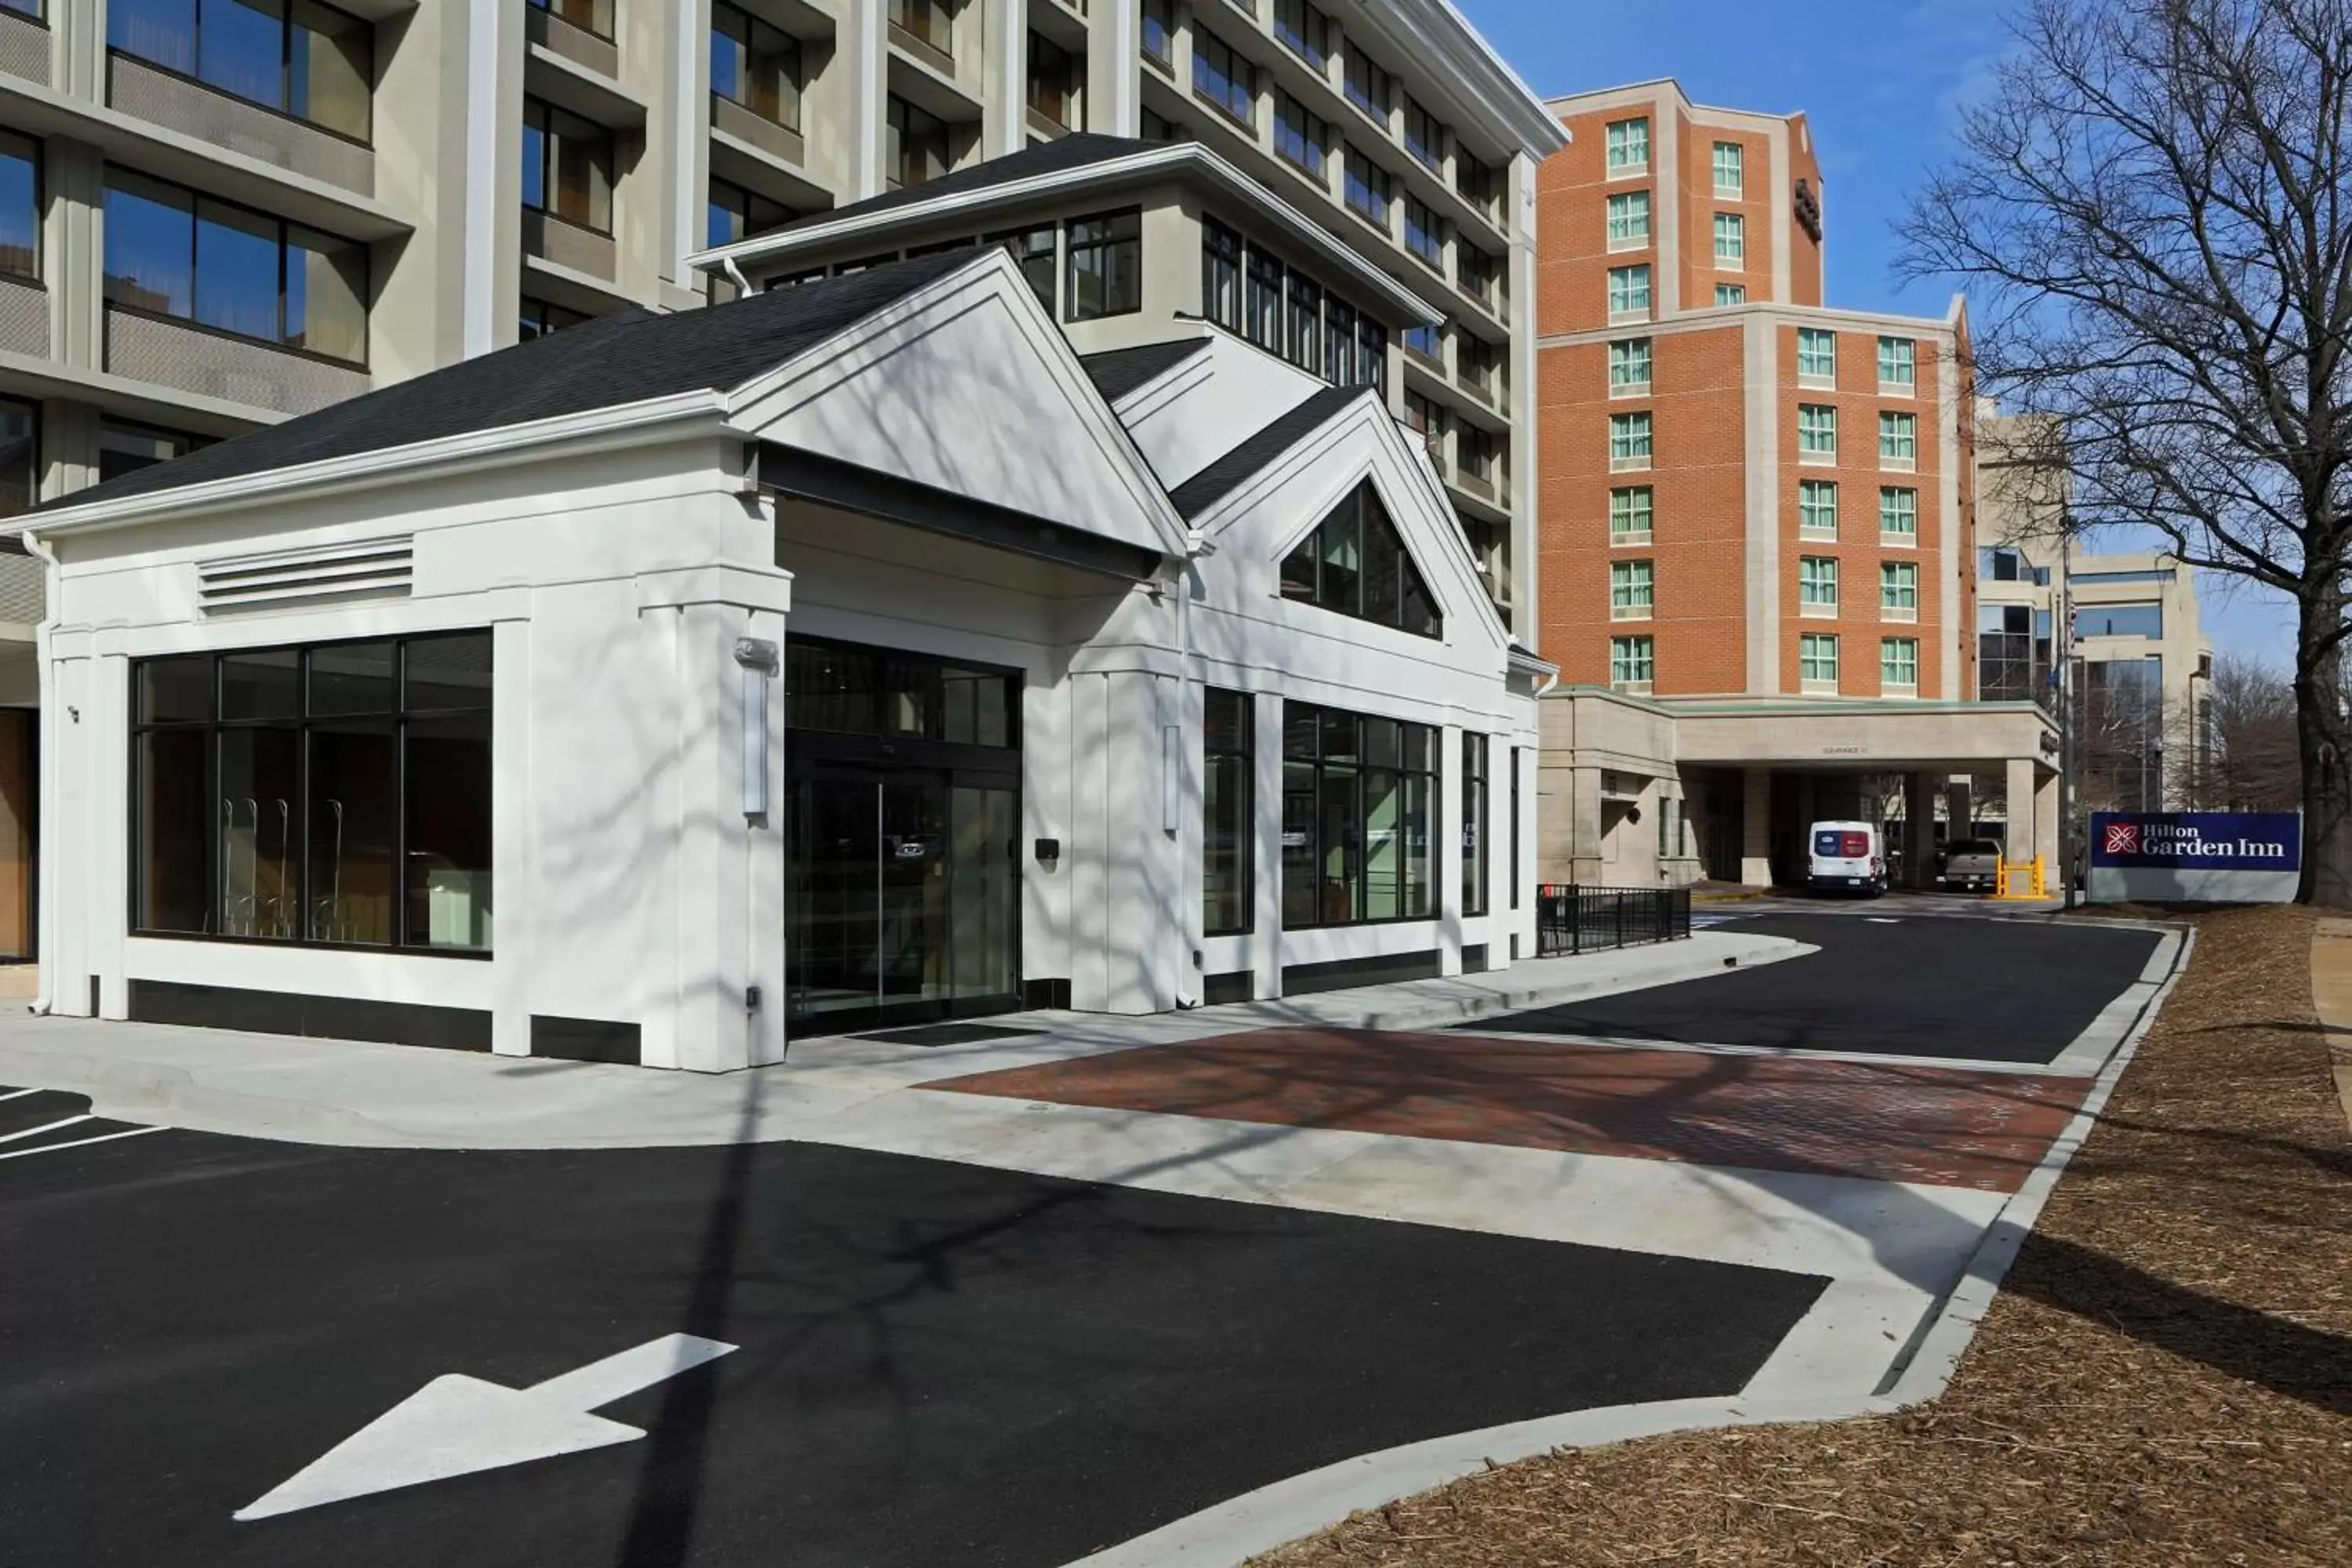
44, 911
1196, 544
734, 273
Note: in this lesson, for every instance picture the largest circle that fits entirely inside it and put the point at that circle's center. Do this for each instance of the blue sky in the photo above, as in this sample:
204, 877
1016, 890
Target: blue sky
1881, 82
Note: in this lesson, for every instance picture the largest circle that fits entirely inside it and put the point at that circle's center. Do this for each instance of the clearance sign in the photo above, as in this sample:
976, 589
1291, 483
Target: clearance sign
2219, 857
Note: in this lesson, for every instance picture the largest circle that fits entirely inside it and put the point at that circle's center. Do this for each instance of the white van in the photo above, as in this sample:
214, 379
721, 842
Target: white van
1847, 855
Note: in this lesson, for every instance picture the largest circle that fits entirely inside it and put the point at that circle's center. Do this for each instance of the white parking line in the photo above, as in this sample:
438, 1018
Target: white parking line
37, 1131
21, 1093
80, 1142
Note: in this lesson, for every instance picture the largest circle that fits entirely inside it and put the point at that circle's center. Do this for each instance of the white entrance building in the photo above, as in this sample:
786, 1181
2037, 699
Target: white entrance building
673, 686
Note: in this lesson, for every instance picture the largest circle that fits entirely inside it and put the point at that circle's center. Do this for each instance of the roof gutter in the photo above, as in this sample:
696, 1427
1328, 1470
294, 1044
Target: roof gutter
601, 429
1174, 158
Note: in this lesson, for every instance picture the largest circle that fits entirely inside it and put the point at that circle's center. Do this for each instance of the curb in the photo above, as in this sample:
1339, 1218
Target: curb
1230, 1532
133, 1089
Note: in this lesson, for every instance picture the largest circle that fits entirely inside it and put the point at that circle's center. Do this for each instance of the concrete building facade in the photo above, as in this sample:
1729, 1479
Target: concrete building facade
204, 231
1758, 513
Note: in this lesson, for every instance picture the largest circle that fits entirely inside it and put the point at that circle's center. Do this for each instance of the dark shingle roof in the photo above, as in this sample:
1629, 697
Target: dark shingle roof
1220, 477
1122, 371
624, 358
1056, 157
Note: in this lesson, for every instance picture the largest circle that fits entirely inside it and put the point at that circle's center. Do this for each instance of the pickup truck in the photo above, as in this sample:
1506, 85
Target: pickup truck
1972, 865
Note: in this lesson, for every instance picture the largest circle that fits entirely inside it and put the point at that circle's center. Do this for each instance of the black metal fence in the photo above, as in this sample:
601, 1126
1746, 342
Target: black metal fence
1589, 920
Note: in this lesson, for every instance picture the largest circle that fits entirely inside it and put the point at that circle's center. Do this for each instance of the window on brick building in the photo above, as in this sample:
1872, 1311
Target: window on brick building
1898, 516
1628, 441
1730, 240
1629, 293
1898, 665
1817, 661
1629, 367
1817, 510
1628, 220
1730, 169
1898, 440
1628, 147
1631, 514
1632, 663
1731, 293
1897, 363
1898, 590
1817, 584
1633, 590
1816, 433
1816, 357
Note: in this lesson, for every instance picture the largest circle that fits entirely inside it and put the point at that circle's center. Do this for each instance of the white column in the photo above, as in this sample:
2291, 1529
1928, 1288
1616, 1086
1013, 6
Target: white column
514, 850
1446, 864
1756, 828
1114, 103
1005, 102
1265, 777
861, 54
2018, 840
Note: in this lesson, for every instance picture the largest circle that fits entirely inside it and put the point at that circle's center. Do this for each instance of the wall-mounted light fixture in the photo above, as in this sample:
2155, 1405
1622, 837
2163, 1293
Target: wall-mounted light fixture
757, 657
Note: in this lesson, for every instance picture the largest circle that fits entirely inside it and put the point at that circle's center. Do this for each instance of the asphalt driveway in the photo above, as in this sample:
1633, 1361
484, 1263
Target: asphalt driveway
938, 1363
1898, 985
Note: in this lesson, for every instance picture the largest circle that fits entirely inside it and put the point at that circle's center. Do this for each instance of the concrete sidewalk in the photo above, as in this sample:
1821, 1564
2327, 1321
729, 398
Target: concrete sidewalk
364, 1095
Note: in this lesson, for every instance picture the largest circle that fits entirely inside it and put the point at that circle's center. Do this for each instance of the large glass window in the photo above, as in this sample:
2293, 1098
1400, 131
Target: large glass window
1160, 30
1371, 188
1474, 823
1359, 800
1339, 342
1263, 321
1055, 74
1228, 822
567, 167
2143, 620
125, 448
20, 206
929, 21
1425, 136
755, 65
1105, 265
916, 143
1035, 251
1221, 76
1367, 86
337, 794
1305, 327
1304, 30
20, 456
1356, 564
1301, 137
1424, 235
296, 56
739, 214
174, 253
1221, 275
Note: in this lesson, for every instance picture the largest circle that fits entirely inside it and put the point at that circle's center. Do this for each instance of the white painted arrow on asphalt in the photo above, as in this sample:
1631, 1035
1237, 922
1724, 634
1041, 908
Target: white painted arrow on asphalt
455, 1425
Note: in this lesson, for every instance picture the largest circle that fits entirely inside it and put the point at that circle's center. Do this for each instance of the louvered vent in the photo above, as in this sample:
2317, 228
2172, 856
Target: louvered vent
373, 569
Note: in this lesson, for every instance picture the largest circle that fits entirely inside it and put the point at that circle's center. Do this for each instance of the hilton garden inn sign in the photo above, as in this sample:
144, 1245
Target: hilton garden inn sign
2195, 855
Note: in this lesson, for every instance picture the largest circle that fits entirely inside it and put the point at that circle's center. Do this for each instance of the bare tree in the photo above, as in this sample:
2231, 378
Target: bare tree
2249, 761
2150, 205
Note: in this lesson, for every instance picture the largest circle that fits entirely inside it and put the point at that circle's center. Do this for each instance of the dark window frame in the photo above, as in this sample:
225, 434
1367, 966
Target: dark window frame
1222, 252
284, 228
398, 721
32, 411
1361, 511
1475, 748
35, 155
1239, 100
543, 319
560, 12
548, 142
1241, 894
906, 109
1121, 235
363, 26
791, 62
1317, 763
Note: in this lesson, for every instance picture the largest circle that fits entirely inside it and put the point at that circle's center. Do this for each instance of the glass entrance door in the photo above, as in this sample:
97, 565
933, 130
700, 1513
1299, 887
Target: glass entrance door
903, 900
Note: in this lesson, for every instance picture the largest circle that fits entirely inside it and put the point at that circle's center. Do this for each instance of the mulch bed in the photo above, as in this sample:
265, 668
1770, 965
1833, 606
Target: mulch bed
2166, 1378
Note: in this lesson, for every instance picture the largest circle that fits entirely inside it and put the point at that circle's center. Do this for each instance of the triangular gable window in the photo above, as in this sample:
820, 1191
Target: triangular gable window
1355, 563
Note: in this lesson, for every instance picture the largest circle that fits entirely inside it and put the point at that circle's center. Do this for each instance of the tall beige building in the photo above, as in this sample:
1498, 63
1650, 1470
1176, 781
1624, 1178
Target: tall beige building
216, 215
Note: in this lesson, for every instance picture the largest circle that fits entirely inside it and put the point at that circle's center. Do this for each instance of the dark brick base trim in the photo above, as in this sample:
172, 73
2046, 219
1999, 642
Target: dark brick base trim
291, 1013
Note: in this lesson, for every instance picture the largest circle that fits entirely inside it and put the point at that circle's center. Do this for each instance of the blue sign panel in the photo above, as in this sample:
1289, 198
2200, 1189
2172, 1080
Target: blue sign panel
2195, 856
2199, 840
